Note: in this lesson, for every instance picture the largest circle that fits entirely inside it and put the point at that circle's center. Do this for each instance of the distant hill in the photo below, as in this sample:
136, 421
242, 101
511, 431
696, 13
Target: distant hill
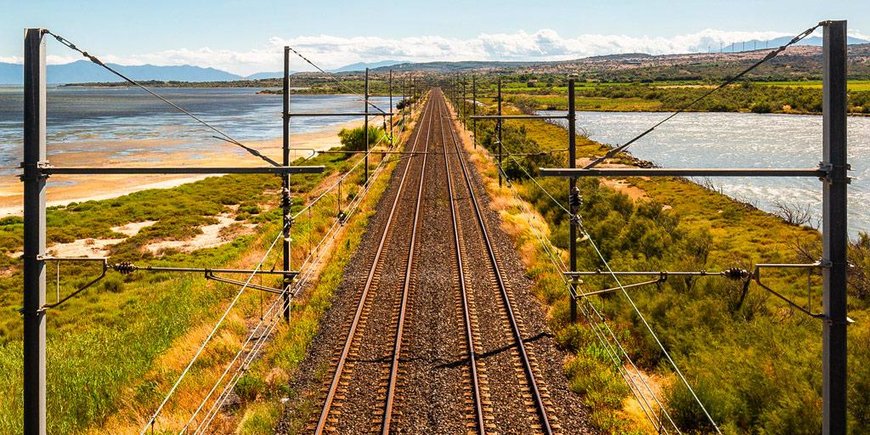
798, 63
458, 66
361, 66
757, 44
84, 71
266, 75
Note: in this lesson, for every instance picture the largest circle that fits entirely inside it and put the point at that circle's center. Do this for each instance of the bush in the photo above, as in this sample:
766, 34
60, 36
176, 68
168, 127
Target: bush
113, 284
248, 387
354, 139
686, 412
761, 108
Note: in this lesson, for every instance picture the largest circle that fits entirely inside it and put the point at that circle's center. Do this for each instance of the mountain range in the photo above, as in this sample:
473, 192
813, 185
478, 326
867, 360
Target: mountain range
83, 71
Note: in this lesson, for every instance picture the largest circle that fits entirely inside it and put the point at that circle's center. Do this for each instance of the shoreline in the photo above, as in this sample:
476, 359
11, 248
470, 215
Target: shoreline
63, 190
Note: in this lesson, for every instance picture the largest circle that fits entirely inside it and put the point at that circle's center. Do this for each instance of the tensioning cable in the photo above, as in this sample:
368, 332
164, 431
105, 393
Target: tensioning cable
330, 75
686, 107
224, 136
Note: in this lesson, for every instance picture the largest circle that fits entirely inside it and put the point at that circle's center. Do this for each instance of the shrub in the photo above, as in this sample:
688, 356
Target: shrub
354, 139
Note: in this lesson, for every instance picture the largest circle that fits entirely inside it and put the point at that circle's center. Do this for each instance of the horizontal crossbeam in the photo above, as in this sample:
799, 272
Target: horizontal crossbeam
128, 268
644, 273
519, 117
684, 172
182, 170
321, 114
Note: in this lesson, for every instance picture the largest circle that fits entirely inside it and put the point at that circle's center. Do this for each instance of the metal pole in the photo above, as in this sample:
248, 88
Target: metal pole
34, 232
835, 237
404, 101
285, 185
474, 110
572, 185
464, 109
366, 128
498, 128
391, 108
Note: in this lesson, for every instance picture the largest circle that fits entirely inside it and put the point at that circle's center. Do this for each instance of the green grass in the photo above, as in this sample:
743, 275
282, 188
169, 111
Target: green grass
102, 343
559, 102
851, 85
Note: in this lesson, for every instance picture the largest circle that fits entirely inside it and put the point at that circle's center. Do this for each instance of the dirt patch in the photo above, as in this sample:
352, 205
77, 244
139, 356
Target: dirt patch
623, 186
94, 247
84, 248
221, 233
133, 228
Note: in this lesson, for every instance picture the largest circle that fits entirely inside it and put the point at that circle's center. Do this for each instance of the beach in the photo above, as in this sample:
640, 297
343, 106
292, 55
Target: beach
63, 190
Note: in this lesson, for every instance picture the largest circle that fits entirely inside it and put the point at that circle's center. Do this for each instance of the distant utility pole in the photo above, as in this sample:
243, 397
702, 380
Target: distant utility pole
285, 186
474, 109
498, 128
366, 127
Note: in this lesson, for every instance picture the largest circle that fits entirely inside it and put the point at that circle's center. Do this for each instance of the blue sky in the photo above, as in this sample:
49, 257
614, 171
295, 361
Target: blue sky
246, 36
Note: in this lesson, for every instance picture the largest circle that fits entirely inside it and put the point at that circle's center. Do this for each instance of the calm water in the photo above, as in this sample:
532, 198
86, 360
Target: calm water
79, 115
709, 140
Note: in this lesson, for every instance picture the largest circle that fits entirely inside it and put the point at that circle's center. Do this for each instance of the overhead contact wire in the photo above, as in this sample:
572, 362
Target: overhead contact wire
208, 338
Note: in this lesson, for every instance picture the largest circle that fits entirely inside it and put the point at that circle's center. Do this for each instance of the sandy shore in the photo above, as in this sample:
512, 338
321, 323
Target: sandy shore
63, 190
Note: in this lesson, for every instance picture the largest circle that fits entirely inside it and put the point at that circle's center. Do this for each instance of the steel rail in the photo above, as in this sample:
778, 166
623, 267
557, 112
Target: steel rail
521, 348
259, 342
406, 286
336, 378
466, 316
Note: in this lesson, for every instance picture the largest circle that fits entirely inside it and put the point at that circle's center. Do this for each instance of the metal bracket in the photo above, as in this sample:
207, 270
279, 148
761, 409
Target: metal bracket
34, 172
828, 169
105, 267
756, 276
662, 276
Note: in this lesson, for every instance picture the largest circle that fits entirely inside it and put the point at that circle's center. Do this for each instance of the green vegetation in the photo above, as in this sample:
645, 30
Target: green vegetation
754, 362
758, 97
103, 343
354, 138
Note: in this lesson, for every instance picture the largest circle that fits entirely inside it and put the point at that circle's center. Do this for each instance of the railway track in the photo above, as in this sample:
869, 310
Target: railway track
539, 399
368, 382
329, 413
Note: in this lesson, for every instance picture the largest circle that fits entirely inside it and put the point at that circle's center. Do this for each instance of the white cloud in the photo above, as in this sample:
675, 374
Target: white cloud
333, 51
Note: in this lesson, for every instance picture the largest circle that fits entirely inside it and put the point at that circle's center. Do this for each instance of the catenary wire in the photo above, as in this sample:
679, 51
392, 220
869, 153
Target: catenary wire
306, 273
559, 204
210, 336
